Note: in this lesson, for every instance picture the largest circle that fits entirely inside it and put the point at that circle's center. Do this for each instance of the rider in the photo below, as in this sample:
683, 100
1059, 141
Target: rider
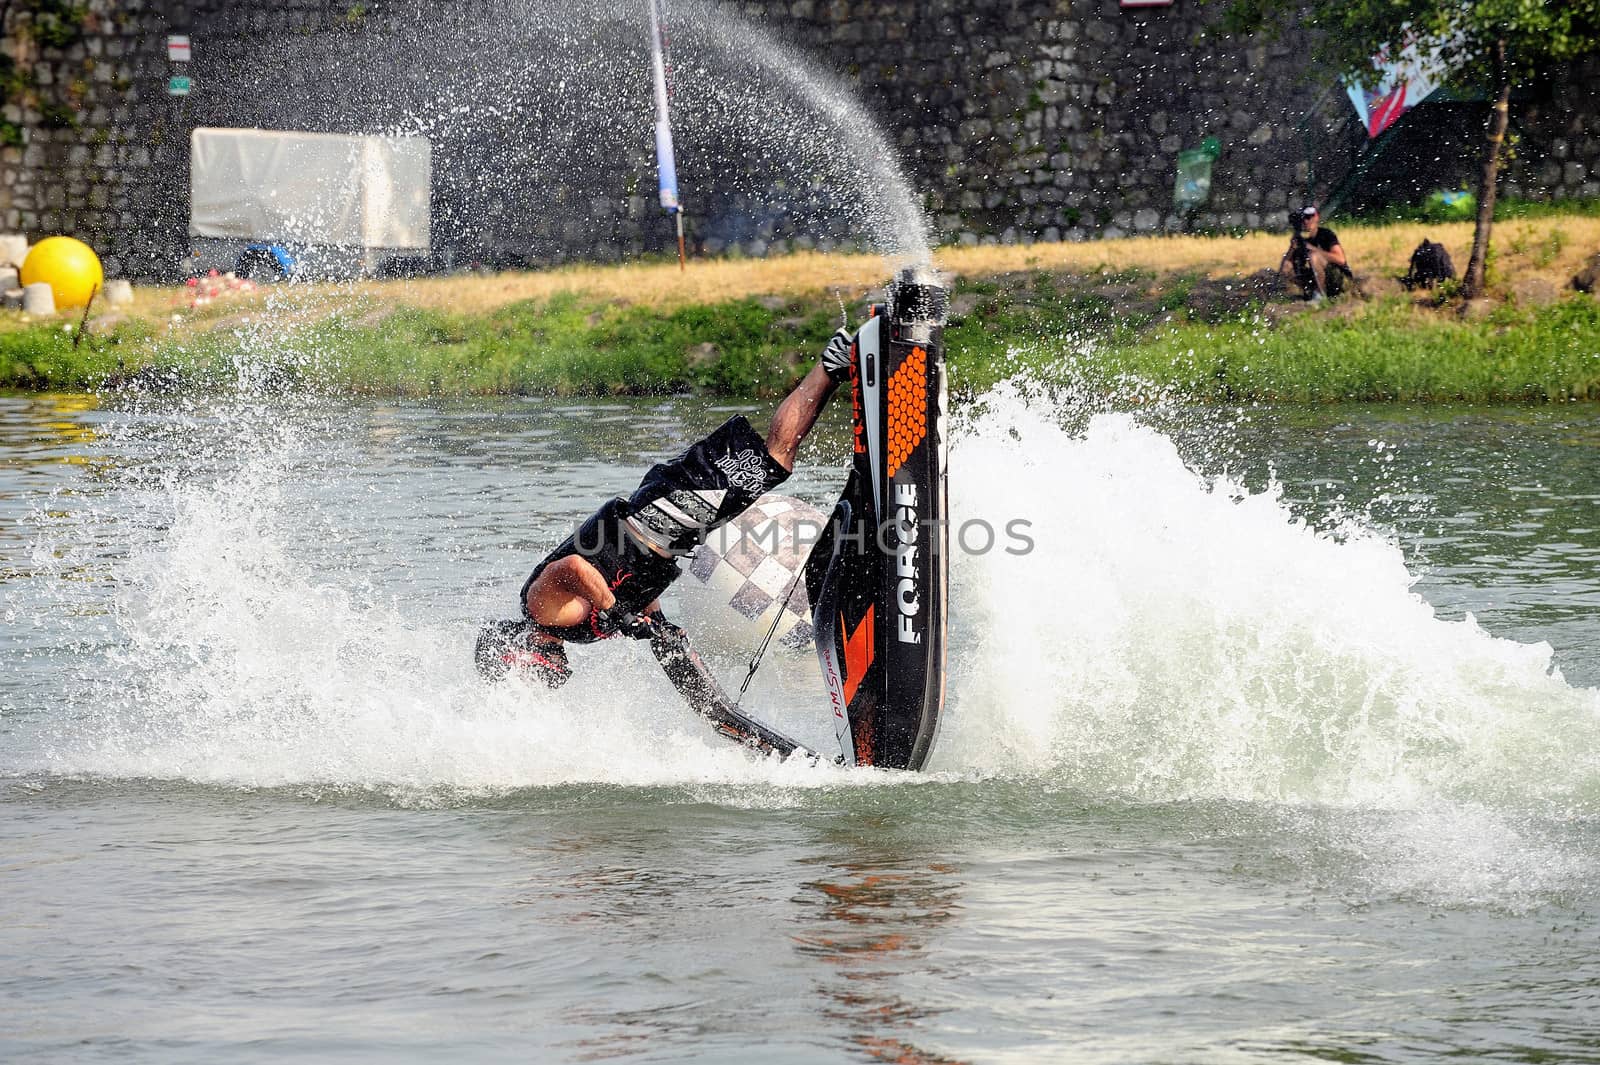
605, 579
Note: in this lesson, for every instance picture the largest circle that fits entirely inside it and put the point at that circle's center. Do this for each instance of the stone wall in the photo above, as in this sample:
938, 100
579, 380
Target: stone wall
90, 133
1016, 120
1046, 121
1558, 138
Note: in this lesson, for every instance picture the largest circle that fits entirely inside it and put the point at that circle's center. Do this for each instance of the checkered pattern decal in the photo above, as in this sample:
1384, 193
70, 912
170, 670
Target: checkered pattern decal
752, 560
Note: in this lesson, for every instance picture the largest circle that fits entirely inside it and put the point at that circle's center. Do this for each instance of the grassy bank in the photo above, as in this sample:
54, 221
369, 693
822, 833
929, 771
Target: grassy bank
1192, 315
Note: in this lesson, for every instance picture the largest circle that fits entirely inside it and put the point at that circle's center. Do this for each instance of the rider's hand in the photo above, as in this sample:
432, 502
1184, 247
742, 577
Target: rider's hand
615, 620
836, 355
666, 633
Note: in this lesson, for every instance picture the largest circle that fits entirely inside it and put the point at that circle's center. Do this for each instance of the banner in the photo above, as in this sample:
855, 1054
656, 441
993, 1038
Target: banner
1408, 77
666, 161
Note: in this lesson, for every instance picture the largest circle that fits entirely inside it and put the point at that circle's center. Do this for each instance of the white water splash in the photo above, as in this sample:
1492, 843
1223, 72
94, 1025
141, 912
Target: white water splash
1175, 639
1168, 639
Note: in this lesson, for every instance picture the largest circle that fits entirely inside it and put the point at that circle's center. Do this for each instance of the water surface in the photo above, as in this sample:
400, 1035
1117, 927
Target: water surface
1280, 745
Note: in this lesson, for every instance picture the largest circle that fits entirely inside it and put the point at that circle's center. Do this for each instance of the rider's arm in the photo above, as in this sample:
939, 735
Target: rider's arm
683, 667
695, 682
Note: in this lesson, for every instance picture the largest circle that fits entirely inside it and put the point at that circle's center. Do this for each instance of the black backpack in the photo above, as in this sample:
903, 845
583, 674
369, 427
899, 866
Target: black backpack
1430, 264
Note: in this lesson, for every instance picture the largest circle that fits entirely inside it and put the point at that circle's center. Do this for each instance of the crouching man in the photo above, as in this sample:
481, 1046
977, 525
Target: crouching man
1315, 260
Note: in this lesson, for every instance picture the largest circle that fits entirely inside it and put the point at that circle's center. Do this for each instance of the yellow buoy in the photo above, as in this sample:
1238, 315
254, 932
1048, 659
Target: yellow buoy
69, 266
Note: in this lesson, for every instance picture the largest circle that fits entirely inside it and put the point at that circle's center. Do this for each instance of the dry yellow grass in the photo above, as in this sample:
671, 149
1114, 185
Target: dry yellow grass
649, 284
1523, 248
1549, 248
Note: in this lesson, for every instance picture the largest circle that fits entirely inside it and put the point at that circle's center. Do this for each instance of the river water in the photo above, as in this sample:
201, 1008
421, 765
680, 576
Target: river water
1280, 744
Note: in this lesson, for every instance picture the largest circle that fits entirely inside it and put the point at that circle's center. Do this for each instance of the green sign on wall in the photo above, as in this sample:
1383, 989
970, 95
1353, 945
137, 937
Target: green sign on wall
178, 85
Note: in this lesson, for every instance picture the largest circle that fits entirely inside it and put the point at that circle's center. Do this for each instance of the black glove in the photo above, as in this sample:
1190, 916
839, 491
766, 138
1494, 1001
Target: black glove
616, 620
665, 636
836, 355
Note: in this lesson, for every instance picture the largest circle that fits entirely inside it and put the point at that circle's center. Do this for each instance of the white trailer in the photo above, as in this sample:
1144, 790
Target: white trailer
338, 205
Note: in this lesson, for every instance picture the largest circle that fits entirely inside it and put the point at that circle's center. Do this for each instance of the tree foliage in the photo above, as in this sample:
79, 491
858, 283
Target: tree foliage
1537, 33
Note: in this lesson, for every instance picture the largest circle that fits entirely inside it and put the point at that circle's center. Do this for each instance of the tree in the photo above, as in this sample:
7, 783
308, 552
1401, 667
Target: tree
1495, 43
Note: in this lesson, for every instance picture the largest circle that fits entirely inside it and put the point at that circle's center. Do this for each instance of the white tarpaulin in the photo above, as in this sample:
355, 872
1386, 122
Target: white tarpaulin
310, 188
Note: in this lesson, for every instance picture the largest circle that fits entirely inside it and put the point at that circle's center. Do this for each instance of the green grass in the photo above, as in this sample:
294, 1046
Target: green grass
43, 356
1386, 351
1181, 333
1506, 209
569, 346
565, 345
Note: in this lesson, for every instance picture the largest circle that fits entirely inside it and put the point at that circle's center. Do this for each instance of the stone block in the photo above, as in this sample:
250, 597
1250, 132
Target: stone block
13, 249
38, 299
1146, 220
118, 293
12, 299
1573, 174
1534, 291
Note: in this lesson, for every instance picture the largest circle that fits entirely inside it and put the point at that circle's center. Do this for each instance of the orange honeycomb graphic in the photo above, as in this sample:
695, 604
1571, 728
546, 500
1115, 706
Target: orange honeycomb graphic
908, 408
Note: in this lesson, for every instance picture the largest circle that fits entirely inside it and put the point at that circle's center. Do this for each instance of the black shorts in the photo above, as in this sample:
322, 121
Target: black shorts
676, 505
1333, 275
710, 484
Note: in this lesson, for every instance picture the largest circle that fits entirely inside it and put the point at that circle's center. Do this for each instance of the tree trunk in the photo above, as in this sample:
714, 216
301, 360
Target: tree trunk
1499, 118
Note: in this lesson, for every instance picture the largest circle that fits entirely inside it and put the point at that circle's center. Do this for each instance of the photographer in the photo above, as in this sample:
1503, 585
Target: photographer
1315, 260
